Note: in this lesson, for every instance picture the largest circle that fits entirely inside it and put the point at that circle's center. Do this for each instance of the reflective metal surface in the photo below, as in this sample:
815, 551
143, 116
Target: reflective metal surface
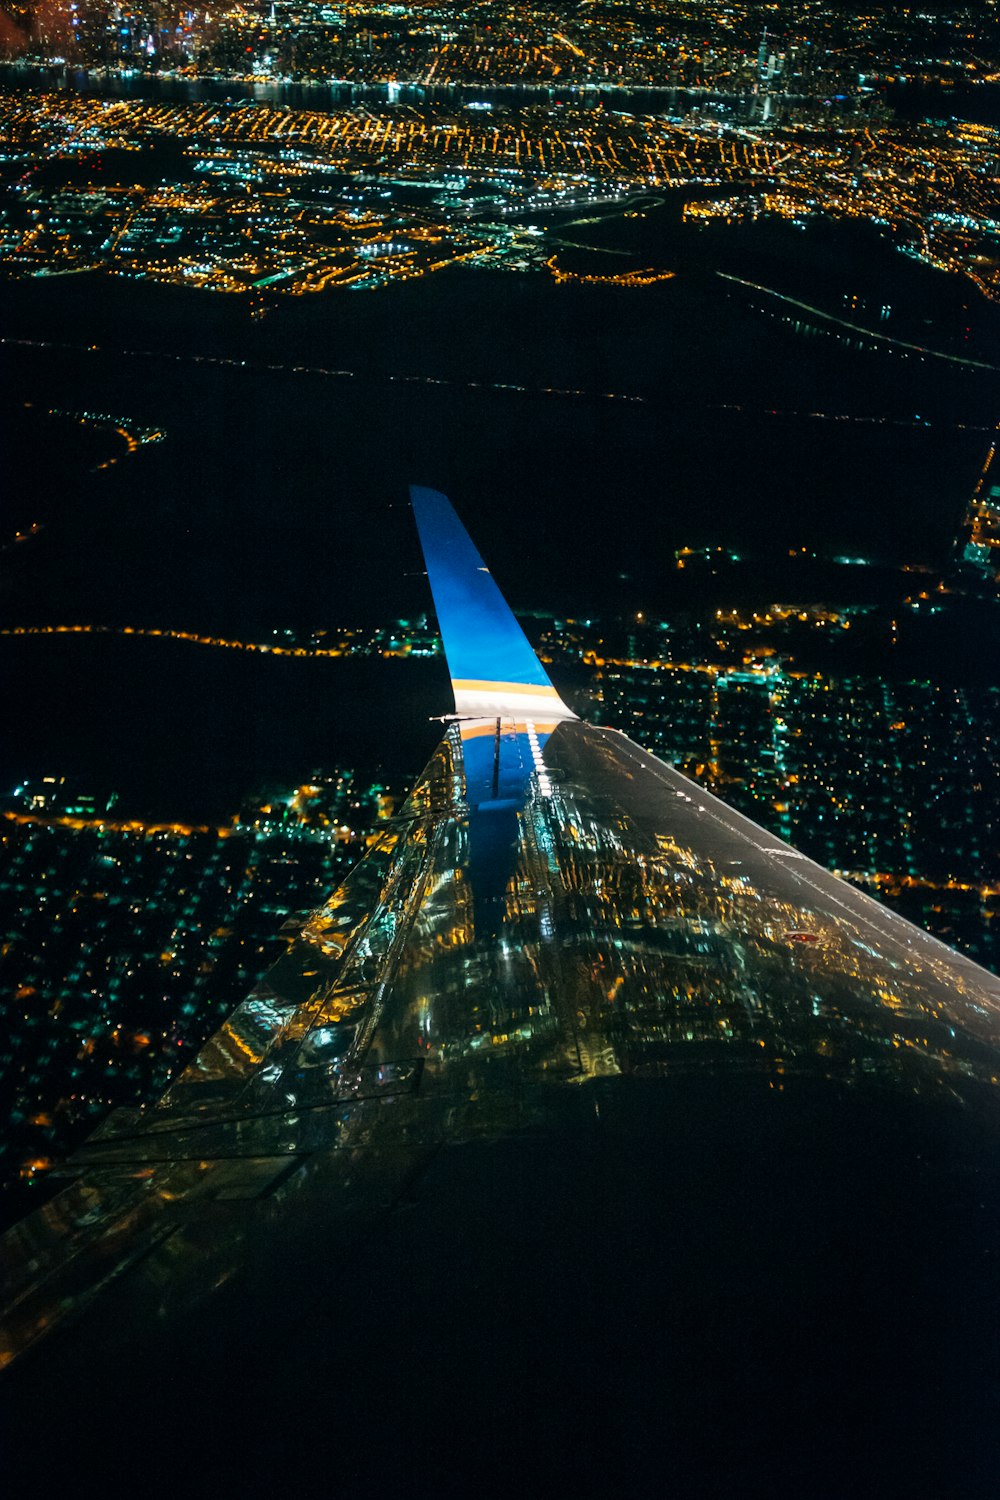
559, 943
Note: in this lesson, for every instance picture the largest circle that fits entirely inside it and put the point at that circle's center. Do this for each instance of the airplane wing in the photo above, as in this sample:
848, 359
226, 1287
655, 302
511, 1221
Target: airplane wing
583, 1094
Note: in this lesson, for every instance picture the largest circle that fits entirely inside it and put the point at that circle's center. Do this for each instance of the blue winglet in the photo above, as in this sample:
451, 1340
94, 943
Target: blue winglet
494, 671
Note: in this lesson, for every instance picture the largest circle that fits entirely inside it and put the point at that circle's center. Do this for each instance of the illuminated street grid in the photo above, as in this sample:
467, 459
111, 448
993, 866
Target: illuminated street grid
891, 783
804, 48
127, 942
301, 201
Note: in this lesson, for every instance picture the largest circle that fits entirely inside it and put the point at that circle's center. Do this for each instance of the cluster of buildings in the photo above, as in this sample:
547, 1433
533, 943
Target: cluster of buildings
892, 785
805, 49
261, 198
220, 218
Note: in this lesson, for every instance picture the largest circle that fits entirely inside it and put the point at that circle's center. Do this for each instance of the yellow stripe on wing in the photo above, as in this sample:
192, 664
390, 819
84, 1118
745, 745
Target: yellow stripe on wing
478, 685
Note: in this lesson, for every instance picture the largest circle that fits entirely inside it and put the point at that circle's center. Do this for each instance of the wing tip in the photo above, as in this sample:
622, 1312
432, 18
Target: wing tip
494, 669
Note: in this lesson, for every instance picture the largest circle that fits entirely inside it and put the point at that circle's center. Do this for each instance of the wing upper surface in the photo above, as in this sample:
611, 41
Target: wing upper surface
554, 913
610, 921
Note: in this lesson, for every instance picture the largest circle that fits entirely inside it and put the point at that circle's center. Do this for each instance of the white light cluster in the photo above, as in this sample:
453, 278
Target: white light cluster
544, 784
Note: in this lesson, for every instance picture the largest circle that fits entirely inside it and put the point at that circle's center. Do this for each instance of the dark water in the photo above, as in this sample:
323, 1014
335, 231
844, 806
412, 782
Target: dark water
168, 87
979, 103
645, 421
187, 732
680, 415
909, 101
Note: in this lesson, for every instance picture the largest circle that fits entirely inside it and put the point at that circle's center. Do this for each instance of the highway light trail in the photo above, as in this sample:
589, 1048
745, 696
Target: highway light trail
110, 825
868, 333
517, 388
190, 636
